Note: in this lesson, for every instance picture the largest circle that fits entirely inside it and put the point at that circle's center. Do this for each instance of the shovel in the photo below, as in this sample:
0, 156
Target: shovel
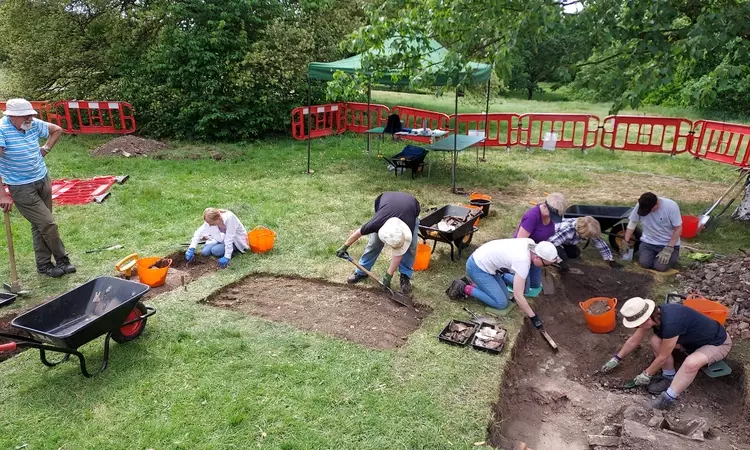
706, 216
15, 285
548, 282
396, 297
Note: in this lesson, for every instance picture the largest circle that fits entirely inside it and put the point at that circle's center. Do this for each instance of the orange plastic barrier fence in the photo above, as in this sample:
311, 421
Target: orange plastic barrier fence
502, 128
421, 118
357, 114
326, 120
95, 117
44, 108
727, 143
647, 134
572, 130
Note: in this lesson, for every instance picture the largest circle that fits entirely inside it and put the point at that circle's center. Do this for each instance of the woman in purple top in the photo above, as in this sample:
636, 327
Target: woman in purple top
538, 223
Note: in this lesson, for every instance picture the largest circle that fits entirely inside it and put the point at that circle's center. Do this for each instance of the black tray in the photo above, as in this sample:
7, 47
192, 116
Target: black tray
445, 339
7, 299
495, 351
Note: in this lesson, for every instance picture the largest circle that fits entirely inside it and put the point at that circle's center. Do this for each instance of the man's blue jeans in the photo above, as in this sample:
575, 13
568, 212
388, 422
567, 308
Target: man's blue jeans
375, 246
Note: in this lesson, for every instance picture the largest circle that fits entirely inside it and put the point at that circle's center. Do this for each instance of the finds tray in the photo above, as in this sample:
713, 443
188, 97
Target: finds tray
495, 341
458, 332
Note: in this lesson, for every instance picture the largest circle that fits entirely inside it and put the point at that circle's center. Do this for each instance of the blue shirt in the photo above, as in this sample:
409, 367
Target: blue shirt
693, 328
22, 161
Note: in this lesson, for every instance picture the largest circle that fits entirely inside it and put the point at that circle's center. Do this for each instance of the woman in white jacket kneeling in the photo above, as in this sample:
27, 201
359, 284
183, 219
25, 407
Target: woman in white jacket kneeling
223, 232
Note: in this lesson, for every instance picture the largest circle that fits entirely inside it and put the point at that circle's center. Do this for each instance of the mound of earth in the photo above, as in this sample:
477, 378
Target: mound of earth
726, 281
128, 146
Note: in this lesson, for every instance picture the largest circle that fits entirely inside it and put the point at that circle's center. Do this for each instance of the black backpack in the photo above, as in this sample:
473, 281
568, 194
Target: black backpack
392, 124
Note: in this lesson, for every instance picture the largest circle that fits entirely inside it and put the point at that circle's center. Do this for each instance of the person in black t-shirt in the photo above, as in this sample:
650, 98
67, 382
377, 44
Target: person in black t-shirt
675, 326
395, 224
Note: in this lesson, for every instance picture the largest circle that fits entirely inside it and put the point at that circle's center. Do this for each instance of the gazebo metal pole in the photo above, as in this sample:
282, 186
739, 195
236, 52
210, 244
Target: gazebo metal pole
455, 142
486, 123
309, 119
369, 122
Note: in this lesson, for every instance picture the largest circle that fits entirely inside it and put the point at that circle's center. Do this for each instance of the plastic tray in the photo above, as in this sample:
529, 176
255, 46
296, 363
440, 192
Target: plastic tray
447, 340
495, 351
7, 299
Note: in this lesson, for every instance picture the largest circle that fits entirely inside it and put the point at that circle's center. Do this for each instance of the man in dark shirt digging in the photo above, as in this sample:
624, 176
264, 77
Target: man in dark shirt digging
395, 224
675, 327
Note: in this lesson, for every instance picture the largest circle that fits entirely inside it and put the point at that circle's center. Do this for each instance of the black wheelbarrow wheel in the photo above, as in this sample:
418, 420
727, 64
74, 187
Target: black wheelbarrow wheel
617, 237
127, 333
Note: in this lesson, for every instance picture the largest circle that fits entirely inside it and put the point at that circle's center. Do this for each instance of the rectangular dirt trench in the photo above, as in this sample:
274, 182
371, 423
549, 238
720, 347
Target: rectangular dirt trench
364, 316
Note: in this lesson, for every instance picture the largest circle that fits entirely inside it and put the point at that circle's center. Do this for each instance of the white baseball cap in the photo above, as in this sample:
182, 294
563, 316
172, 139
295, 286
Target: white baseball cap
636, 311
396, 234
19, 107
547, 251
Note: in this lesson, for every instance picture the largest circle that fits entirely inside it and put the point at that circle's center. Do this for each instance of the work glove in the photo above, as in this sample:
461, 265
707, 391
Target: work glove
610, 365
190, 254
564, 267
615, 265
223, 262
387, 281
642, 379
665, 255
624, 247
341, 252
536, 321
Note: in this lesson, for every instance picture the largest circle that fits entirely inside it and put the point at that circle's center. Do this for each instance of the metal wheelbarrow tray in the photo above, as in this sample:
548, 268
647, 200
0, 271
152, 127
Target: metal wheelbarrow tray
103, 306
612, 218
460, 237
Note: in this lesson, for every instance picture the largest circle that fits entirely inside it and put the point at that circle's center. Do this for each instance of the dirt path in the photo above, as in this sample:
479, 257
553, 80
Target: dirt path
364, 316
553, 401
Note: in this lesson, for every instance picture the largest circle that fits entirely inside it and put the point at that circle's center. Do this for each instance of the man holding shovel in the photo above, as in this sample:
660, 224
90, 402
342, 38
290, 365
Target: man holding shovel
23, 169
662, 225
395, 224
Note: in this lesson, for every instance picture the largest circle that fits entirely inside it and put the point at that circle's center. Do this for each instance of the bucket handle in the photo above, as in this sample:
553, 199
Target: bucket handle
614, 300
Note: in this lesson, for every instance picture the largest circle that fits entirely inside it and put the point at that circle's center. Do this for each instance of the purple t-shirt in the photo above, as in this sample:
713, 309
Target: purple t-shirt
532, 222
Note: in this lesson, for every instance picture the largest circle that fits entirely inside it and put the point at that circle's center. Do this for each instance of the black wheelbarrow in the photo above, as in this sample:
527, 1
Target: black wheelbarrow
613, 221
411, 157
103, 306
460, 237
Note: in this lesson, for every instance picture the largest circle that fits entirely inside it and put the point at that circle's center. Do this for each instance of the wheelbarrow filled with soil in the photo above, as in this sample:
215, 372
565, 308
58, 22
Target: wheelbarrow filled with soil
613, 220
451, 224
104, 306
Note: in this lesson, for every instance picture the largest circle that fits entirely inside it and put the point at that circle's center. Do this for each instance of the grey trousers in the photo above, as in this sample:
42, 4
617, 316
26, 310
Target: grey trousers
647, 257
34, 202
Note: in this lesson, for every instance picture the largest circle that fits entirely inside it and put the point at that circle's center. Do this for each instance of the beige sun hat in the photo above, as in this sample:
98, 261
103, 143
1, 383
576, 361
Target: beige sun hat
19, 107
396, 234
636, 311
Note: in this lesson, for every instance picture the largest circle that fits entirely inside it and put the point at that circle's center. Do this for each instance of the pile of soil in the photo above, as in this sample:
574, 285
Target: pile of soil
160, 264
129, 146
364, 316
598, 308
555, 400
6, 328
726, 281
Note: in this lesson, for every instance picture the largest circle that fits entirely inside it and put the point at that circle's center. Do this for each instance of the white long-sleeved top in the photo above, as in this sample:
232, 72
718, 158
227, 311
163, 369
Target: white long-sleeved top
235, 234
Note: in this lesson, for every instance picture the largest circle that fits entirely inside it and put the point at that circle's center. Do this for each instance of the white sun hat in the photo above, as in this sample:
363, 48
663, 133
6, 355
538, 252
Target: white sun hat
547, 251
396, 234
636, 311
19, 107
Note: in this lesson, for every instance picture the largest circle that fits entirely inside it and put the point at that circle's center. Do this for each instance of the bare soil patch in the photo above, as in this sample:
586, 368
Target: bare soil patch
5, 327
554, 401
364, 316
129, 146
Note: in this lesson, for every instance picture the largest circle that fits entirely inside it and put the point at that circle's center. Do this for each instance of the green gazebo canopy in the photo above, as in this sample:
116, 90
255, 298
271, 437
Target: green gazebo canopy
433, 59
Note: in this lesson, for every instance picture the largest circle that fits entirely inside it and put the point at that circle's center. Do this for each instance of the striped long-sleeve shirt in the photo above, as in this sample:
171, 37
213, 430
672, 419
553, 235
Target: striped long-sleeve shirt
565, 233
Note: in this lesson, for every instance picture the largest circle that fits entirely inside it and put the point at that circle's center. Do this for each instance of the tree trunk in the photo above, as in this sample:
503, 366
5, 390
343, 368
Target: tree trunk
743, 211
531, 93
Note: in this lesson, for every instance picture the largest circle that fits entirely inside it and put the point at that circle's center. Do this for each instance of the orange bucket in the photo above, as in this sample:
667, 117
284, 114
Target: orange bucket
261, 239
709, 308
689, 226
602, 323
422, 260
479, 196
153, 277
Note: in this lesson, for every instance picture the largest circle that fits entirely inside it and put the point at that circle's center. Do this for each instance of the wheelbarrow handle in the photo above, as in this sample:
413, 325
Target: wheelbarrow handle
9, 347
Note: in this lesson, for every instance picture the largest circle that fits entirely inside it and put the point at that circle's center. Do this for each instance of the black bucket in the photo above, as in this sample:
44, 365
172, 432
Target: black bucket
482, 203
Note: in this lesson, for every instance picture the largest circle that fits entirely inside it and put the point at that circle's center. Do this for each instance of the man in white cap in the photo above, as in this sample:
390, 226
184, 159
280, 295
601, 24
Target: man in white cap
675, 326
501, 263
395, 224
23, 169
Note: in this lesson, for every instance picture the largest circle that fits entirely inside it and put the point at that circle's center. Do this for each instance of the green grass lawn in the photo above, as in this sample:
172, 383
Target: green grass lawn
206, 378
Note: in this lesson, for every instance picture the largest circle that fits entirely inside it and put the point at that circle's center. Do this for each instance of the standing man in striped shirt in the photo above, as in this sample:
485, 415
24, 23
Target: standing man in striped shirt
23, 169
